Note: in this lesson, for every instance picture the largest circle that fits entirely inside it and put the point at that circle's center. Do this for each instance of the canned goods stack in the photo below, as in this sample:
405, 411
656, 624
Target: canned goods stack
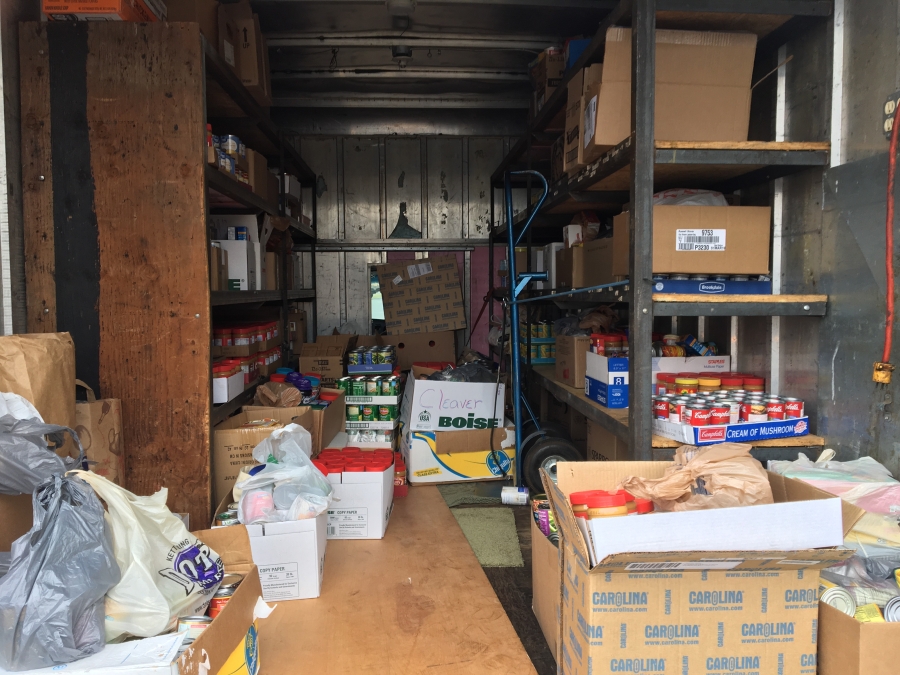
373, 409
230, 153
372, 359
543, 342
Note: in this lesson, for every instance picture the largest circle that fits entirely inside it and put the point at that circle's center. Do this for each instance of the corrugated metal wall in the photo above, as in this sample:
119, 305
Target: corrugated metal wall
437, 185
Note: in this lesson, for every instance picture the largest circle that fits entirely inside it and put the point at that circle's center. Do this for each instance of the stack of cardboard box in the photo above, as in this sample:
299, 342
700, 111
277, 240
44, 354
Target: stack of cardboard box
422, 296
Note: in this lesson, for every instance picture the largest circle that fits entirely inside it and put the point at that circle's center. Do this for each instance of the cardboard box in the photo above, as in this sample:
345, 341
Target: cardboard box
242, 264
728, 590
258, 169
229, 40
106, 10
557, 159
204, 12
422, 348
226, 388
290, 557
422, 297
457, 456
237, 350
430, 405
233, 446
324, 424
547, 72
739, 233
850, 647
296, 333
362, 506
254, 60
587, 265
546, 586
605, 446
571, 358
327, 361
713, 287
703, 84
272, 268
747, 432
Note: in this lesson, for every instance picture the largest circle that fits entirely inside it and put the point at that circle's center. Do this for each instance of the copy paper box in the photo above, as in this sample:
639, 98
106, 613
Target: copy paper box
715, 591
233, 445
571, 358
243, 266
703, 84
546, 586
226, 388
850, 647
362, 505
431, 405
290, 557
701, 240
458, 456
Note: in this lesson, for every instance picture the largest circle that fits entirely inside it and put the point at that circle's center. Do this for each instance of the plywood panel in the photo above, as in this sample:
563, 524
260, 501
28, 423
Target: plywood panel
328, 291
322, 157
485, 154
362, 189
403, 187
444, 188
37, 179
147, 134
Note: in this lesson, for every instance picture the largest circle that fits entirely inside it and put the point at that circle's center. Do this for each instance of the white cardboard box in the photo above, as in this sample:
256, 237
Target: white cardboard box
226, 388
362, 504
444, 406
243, 264
550, 261
290, 557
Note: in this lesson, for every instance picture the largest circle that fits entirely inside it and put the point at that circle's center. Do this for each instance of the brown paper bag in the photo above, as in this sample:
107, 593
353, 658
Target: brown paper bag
726, 471
99, 428
41, 368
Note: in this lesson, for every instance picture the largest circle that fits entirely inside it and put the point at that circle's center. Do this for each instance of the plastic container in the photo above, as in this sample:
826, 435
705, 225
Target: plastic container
579, 501
754, 384
598, 343
686, 385
222, 337
277, 377
629, 502
243, 336
605, 505
708, 384
644, 506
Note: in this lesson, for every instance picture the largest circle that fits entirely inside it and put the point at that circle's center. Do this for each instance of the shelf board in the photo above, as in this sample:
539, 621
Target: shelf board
223, 411
616, 421
222, 298
229, 193
674, 304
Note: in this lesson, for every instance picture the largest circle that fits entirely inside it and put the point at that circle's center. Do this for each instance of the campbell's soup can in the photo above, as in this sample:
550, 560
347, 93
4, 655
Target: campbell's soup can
677, 408
734, 410
720, 414
775, 409
698, 415
757, 412
793, 408
661, 407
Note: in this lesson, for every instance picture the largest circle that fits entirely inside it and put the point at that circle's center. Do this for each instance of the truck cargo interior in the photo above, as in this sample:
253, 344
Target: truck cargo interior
449, 336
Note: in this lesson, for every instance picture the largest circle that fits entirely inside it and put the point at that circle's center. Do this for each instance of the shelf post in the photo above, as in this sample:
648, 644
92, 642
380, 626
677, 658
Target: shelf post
643, 77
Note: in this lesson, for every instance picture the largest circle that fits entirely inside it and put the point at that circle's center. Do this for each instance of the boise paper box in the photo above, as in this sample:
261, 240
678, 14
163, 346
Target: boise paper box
717, 592
422, 296
362, 504
703, 84
430, 405
546, 585
458, 456
701, 239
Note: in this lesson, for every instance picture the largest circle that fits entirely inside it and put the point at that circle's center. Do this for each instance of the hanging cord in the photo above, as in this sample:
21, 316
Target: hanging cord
502, 344
884, 369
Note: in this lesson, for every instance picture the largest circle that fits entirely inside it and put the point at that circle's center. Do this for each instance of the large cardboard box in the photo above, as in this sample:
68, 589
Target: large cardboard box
458, 456
430, 405
710, 591
850, 647
296, 333
422, 296
546, 586
326, 360
547, 72
259, 172
701, 240
573, 146
229, 40
324, 425
290, 557
204, 12
605, 446
703, 84
105, 10
254, 60
233, 446
412, 348
590, 264
362, 505
571, 359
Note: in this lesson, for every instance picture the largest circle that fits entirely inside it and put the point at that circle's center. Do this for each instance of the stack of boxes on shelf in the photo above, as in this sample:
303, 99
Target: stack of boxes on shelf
372, 393
242, 353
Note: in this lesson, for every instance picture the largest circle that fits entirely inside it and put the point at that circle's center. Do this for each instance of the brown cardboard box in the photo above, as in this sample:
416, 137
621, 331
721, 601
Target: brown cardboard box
272, 269
229, 40
258, 169
253, 60
326, 424
729, 611
271, 193
422, 296
204, 12
746, 230
233, 446
583, 266
547, 72
571, 359
326, 360
237, 350
573, 148
215, 268
557, 159
16, 518
702, 89
346, 342
424, 347
605, 446
850, 647
546, 586
296, 333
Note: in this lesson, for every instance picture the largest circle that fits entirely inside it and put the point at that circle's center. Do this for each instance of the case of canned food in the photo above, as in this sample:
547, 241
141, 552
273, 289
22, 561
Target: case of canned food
372, 359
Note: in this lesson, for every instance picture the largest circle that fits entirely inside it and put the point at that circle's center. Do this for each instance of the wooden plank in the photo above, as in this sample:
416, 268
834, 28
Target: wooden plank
146, 118
742, 145
712, 299
37, 179
415, 602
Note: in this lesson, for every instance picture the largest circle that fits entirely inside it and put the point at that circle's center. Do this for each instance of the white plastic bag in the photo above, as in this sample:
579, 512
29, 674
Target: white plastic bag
166, 571
685, 197
289, 445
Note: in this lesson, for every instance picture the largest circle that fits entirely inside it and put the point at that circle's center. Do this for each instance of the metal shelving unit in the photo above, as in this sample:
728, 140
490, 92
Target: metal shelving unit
640, 166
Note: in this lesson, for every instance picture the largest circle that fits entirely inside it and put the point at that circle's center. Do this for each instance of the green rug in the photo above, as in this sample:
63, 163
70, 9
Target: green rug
456, 494
492, 535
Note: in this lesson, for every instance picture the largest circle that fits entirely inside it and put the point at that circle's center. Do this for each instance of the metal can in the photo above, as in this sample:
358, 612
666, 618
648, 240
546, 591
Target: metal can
231, 580
373, 386
793, 407
358, 386
544, 331
754, 411
543, 351
390, 386
676, 410
219, 600
387, 413
240, 232
553, 351
193, 625
840, 598
231, 145
535, 330
720, 414
384, 436
226, 519
384, 355
344, 385
892, 610
368, 357
775, 409
354, 414
661, 408
368, 436
734, 410
697, 415
368, 413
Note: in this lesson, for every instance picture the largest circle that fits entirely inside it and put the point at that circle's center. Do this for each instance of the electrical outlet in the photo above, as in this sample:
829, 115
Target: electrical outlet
890, 107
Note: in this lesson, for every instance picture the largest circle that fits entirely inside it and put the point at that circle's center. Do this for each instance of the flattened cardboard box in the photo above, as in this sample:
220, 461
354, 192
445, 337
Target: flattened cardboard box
422, 296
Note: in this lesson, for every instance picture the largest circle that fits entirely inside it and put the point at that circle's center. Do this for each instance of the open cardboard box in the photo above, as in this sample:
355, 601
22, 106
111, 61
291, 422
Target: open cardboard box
458, 456
412, 348
362, 506
433, 405
850, 647
325, 424
696, 587
546, 577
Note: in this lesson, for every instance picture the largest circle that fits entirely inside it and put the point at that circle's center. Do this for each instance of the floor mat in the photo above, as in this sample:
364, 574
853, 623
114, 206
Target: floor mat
456, 494
492, 535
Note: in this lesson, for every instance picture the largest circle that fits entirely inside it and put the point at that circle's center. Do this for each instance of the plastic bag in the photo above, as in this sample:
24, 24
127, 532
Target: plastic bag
823, 473
683, 197
469, 372
166, 571
19, 407
51, 601
715, 477
289, 445
26, 460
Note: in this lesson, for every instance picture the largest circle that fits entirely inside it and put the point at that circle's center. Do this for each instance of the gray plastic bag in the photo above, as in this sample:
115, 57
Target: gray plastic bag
26, 460
52, 599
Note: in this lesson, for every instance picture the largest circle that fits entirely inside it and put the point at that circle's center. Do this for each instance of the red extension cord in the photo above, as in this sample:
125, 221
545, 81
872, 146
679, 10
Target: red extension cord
889, 240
